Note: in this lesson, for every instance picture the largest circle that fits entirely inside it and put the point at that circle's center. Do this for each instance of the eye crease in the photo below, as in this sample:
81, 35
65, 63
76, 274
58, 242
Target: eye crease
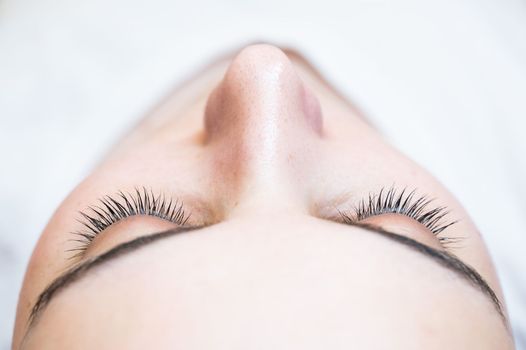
111, 210
407, 203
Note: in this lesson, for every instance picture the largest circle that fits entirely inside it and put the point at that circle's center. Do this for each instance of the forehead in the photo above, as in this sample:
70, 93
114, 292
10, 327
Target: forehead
242, 278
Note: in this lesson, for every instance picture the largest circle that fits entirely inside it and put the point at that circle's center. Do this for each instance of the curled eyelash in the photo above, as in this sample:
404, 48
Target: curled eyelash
406, 203
112, 209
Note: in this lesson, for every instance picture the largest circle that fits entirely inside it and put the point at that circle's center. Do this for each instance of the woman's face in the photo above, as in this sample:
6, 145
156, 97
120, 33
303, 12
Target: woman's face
287, 222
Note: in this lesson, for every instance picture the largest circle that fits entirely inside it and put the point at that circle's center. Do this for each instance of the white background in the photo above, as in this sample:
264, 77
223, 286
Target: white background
444, 80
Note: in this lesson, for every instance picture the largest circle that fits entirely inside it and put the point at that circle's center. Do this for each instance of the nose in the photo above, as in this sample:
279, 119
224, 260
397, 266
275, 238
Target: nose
262, 119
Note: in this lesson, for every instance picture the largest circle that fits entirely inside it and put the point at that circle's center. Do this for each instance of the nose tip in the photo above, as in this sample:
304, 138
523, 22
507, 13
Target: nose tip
261, 87
260, 123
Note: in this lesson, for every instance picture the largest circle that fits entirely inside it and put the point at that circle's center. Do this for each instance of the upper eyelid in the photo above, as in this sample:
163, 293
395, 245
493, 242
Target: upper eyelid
404, 202
407, 203
145, 202
109, 210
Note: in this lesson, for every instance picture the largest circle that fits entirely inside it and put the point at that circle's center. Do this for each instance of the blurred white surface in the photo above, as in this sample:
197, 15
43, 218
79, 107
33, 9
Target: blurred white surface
445, 81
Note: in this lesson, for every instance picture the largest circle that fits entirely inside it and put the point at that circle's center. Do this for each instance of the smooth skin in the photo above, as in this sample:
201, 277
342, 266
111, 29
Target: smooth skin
265, 155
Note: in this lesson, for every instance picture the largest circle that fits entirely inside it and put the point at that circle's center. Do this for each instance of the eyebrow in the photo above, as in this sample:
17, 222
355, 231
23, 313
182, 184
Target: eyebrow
447, 260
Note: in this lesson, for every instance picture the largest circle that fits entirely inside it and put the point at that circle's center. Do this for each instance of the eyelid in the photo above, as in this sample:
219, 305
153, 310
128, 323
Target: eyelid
110, 210
405, 226
144, 202
405, 203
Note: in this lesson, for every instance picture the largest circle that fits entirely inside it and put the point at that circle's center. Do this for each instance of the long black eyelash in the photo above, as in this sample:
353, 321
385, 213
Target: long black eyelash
110, 210
405, 203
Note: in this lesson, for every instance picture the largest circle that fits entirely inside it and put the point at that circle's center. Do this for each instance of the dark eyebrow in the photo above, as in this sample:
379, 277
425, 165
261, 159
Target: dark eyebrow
443, 258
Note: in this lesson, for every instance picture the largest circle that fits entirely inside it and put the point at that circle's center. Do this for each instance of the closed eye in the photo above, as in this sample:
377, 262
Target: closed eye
112, 209
406, 203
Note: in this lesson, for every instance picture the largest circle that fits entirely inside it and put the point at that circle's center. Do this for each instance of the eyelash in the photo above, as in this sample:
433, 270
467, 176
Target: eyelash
143, 202
404, 203
123, 205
